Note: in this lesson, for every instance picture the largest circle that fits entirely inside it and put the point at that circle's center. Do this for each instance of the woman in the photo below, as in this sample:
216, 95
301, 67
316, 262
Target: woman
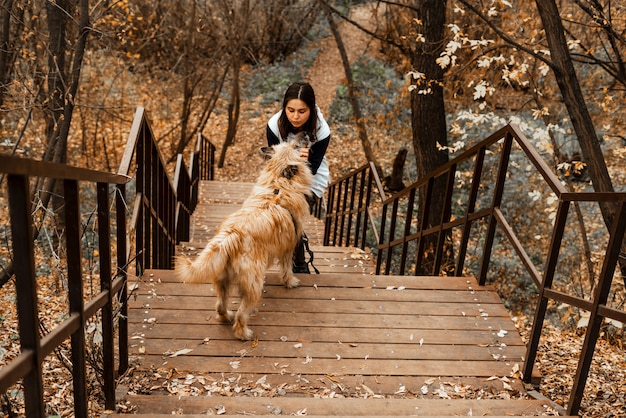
300, 113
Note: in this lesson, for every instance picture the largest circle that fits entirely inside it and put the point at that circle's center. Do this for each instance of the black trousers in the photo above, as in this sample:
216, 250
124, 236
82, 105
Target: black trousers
299, 259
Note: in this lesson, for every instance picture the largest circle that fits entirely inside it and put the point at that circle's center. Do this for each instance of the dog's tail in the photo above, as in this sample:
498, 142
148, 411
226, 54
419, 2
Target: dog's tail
207, 265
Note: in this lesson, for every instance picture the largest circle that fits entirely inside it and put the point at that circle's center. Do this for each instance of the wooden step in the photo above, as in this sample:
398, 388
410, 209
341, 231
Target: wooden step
206, 220
219, 199
344, 343
217, 192
350, 334
328, 260
324, 407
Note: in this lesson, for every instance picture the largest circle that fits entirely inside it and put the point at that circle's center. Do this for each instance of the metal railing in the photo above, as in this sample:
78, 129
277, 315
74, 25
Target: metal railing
160, 218
162, 209
348, 216
34, 348
412, 237
155, 199
187, 182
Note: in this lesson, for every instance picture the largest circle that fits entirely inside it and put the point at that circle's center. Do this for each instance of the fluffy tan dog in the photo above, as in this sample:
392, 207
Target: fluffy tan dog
265, 229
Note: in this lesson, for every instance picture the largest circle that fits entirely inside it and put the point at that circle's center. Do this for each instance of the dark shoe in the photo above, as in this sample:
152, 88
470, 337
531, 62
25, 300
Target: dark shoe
301, 269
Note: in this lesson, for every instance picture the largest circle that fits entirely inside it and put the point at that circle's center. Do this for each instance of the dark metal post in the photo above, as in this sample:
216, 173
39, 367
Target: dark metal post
423, 223
408, 219
329, 214
600, 298
122, 266
471, 206
26, 287
546, 283
497, 199
445, 217
75, 288
104, 241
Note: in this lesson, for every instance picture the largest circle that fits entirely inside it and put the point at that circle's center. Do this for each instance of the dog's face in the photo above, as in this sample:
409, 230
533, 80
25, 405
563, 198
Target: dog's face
285, 159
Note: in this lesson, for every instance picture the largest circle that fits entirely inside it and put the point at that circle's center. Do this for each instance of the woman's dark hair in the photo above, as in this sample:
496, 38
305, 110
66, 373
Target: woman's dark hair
304, 92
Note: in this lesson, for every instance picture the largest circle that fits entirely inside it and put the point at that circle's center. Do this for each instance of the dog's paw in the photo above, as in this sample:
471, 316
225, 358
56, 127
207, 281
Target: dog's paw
226, 317
243, 333
292, 282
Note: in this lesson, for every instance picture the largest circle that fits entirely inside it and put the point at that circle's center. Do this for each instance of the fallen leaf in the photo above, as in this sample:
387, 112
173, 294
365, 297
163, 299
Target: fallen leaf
181, 352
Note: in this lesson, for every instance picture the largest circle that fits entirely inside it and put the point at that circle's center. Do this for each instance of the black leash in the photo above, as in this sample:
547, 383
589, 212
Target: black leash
305, 239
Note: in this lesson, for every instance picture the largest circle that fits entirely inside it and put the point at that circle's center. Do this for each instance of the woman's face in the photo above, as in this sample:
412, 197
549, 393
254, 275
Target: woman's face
297, 112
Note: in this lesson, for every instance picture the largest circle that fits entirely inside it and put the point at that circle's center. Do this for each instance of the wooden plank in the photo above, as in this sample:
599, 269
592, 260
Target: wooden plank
315, 350
316, 292
347, 385
215, 192
307, 298
270, 316
330, 280
331, 333
338, 407
322, 366
417, 309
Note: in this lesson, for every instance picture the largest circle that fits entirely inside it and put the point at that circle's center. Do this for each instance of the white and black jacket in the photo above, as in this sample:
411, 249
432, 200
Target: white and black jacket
317, 153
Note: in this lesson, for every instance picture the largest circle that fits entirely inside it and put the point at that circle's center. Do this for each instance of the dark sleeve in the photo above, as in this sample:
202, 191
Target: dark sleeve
317, 152
272, 139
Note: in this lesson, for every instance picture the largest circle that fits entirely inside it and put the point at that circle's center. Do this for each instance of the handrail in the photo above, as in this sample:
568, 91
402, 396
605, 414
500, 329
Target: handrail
160, 218
28, 364
407, 242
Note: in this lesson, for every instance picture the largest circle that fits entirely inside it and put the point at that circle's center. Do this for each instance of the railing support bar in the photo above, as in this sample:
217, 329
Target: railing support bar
122, 266
108, 338
497, 200
75, 290
26, 287
600, 298
546, 283
471, 206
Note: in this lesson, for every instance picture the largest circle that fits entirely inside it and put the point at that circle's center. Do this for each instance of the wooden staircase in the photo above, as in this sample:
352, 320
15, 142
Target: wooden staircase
344, 343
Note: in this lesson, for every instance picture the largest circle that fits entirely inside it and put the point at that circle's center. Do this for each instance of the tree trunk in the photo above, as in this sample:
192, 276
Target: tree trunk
428, 113
58, 153
352, 96
574, 100
58, 14
233, 114
428, 118
394, 181
7, 52
239, 13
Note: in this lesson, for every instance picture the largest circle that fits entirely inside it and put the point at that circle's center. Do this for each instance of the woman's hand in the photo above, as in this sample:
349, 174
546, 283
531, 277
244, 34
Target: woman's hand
304, 153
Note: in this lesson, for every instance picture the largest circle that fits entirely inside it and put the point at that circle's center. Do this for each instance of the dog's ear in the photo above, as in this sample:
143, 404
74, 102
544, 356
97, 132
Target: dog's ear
290, 171
267, 152
302, 140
